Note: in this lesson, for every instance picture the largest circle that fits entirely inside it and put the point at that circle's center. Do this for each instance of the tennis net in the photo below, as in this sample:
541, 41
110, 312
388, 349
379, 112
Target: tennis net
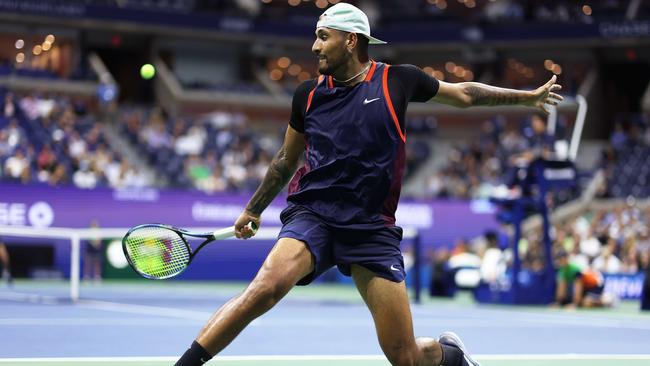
229, 260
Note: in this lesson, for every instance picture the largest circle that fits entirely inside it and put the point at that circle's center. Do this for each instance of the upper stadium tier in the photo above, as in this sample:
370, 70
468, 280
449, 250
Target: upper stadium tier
443, 22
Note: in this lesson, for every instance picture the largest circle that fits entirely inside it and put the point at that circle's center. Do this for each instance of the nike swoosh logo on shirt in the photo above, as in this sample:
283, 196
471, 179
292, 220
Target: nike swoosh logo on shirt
366, 101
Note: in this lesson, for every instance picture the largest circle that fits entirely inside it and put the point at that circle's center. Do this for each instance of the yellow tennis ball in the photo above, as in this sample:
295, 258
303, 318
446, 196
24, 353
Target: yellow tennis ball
147, 71
153, 266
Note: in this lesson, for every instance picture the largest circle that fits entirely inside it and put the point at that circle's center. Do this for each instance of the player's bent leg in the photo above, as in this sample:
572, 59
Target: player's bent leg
390, 309
389, 305
286, 264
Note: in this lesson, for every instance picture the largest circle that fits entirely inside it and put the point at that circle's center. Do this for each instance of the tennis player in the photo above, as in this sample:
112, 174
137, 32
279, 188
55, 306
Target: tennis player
349, 124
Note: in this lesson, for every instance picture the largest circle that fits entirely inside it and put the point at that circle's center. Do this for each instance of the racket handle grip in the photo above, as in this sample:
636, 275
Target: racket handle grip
230, 231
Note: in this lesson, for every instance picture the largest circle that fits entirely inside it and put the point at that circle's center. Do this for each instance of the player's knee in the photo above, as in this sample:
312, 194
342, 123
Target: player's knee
264, 294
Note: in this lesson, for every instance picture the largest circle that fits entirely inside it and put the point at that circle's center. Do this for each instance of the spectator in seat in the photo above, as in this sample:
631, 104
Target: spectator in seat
607, 261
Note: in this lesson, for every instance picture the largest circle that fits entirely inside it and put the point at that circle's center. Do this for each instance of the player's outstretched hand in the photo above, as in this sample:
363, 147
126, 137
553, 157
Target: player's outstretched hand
545, 94
242, 229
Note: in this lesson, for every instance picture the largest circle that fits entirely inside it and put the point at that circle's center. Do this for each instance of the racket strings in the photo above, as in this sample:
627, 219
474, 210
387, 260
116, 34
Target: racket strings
157, 252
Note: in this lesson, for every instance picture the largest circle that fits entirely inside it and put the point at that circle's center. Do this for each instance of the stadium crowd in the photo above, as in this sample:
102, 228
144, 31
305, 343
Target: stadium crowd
625, 159
56, 140
493, 11
614, 240
59, 141
214, 154
479, 167
609, 241
482, 167
218, 152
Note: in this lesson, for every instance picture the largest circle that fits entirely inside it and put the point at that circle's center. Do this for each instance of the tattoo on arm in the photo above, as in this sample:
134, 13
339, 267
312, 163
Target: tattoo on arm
482, 94
279, 173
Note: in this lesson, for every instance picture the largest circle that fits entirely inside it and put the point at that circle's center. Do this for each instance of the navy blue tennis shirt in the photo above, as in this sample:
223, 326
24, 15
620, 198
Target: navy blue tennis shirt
355, 144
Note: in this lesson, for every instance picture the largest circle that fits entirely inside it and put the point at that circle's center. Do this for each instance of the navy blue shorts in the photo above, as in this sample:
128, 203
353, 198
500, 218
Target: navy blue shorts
377, 250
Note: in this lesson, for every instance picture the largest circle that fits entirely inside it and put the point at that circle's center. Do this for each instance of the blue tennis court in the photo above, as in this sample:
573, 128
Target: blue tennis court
150, 323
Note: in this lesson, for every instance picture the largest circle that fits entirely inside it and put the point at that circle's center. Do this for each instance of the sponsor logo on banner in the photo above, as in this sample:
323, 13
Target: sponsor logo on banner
39, 214
624, 286
482, 206
47, 7
136, 194
625, 29
408, 214
417, 215
215, 212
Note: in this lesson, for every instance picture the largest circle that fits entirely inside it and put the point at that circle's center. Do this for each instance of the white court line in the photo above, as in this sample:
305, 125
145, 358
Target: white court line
144, 309
546, 320
543, 320
151, 310
181, 319
522, 357
31, 298
112, 306
93, 322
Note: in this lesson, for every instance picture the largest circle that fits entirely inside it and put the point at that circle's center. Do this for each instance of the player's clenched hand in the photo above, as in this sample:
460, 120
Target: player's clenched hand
545, 94
242, 229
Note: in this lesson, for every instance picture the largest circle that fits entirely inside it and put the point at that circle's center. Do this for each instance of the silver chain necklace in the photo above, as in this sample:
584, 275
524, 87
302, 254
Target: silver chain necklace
354, 77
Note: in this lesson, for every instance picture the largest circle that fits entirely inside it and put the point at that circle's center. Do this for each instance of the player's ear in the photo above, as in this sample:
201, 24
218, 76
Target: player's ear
351, 41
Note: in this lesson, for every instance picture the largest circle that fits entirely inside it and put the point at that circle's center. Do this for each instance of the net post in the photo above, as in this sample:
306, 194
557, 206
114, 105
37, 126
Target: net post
75, 259
417, 278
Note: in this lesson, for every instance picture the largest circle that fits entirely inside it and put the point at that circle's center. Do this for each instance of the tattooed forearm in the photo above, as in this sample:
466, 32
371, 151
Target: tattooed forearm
279, 173
482, 94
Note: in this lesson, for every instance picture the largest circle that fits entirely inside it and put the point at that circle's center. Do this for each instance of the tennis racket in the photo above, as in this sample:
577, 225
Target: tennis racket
158, 251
